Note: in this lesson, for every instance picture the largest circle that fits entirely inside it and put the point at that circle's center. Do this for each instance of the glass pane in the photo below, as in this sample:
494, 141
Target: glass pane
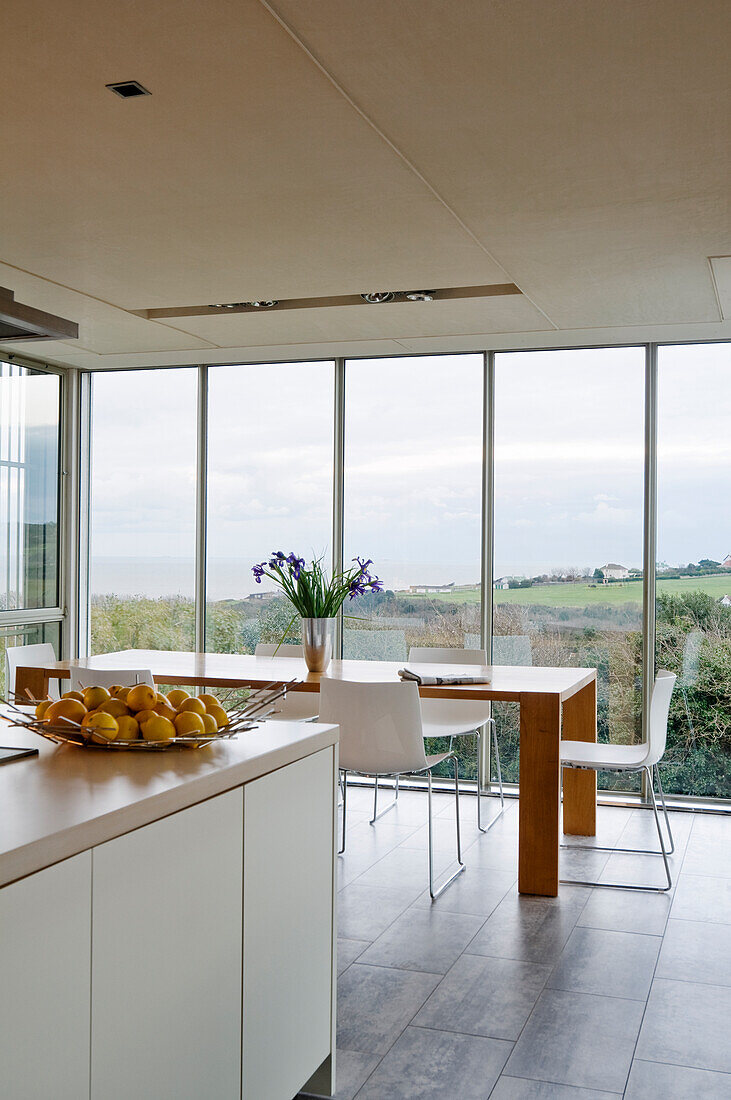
569, 442
270, 478
29, 447
413, 491
26, 635
694, 564
143, 510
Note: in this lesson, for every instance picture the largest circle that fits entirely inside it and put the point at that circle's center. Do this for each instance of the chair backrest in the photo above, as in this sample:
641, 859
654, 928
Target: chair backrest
659, 708
511, 649
271, 649
380, 725
19, 656
104, 677
691, 658
427, 654
374, 645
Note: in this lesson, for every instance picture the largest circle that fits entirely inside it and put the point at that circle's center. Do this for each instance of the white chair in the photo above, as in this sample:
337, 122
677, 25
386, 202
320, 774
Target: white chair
82, 678
20, 656
645, 758
381, 734
459, 717
297, 706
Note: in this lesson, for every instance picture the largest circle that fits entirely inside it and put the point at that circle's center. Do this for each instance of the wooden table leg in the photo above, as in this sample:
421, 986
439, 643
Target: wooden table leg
35, 680
579, 787
539, 805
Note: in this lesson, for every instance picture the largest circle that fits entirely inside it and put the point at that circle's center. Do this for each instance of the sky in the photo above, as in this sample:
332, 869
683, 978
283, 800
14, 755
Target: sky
569, 445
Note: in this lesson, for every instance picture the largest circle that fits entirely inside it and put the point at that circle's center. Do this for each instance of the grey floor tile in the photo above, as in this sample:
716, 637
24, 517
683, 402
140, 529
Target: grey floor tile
701, 897
375, 1004
478, 891
494, 852
582, 863
610, 822
352, 1069
364, 912
650, 1080
436, 1065
483, 996
445, 836
366, 845
405, 868
641, 870
348, 952
610, 964
520, 1088
531, 929
624, 911
578, 1039
423, 939
696, 951
687, 1024
709, 847
641, 830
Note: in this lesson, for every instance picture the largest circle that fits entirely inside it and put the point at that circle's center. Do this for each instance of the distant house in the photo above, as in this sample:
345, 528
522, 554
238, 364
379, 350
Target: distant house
726, 563
725, 601
613, 572
501, 582
424, 589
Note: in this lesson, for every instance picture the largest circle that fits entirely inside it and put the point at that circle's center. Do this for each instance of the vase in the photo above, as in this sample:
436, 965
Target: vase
317, 642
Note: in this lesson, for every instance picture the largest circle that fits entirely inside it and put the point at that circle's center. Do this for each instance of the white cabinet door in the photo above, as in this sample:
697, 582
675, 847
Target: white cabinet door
45, 930
166, 971
288, 926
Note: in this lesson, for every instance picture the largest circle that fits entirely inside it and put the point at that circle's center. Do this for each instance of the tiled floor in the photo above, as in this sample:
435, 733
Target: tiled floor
594, 994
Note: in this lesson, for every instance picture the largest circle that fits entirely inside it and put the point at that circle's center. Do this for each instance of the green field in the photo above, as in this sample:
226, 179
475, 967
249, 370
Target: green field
581, 594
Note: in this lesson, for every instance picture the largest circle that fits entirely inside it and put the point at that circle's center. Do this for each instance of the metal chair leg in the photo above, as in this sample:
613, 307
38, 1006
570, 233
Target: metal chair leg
379, 813
344, 783
642, 851
490, 722
671, 849
633, 851
434, 894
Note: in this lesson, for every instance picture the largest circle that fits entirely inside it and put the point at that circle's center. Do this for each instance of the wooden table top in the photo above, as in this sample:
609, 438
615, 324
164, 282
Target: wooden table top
506, 682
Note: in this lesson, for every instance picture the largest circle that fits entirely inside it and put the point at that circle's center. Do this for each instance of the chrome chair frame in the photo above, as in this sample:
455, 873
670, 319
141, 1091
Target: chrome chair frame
478, 734
433, 893
651, 772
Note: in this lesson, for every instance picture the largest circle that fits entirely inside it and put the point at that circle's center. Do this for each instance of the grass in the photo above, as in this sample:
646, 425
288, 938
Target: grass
581, 594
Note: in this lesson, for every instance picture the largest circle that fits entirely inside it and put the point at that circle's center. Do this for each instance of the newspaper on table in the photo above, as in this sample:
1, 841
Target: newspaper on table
446, 679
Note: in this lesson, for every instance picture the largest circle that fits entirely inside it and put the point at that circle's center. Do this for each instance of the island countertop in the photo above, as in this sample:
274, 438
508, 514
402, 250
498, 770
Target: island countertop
69, 799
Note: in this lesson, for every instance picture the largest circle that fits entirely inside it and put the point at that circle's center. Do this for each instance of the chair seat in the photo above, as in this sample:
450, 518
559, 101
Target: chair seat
591, 754
448, 729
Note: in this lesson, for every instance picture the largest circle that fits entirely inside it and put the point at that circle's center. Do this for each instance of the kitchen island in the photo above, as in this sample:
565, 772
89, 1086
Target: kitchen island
167, 919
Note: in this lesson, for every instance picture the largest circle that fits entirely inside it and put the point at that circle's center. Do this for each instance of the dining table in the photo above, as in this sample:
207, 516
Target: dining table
555, 704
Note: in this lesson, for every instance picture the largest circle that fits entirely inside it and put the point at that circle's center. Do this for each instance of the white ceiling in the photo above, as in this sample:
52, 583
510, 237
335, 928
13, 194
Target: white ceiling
316, 147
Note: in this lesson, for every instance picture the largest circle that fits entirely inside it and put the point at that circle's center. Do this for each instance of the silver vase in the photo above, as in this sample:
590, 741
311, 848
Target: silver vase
317, 640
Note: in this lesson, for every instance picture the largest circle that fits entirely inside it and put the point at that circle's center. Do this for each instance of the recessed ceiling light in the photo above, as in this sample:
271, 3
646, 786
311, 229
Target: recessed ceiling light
378, 296
128, 89
264, 304
420, 295
227, 305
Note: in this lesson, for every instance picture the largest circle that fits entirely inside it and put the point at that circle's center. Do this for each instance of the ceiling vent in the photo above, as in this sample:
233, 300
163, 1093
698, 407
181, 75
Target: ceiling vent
128, 89
18, 322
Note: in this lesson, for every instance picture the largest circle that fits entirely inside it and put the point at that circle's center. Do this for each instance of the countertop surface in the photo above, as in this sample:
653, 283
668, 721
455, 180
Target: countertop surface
69, 799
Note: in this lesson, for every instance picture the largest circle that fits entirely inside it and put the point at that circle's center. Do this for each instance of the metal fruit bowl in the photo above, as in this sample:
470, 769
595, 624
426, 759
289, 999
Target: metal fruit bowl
257, 708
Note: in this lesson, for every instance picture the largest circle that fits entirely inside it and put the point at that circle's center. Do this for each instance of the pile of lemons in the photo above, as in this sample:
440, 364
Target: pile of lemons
130, 713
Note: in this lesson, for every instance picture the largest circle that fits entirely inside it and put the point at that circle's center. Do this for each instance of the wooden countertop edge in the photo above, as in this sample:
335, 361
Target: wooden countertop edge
55, 847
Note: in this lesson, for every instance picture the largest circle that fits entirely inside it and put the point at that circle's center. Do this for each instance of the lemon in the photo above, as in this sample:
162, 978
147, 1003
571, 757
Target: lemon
115, 689
209, 723
141, 697
121, 693
158, 728
95, 696
115, 707
73, 695
42, 708
188, 723
70, 709
220, 716
176, 696
209, 700
165, 710
192, 704
129, 729
145, 715
103, 726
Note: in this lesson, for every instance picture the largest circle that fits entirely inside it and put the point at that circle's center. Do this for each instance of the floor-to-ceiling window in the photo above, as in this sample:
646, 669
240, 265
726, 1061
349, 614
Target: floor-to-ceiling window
413, 485
270, 487
569, 446
693, 618
143, 494
29, 507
